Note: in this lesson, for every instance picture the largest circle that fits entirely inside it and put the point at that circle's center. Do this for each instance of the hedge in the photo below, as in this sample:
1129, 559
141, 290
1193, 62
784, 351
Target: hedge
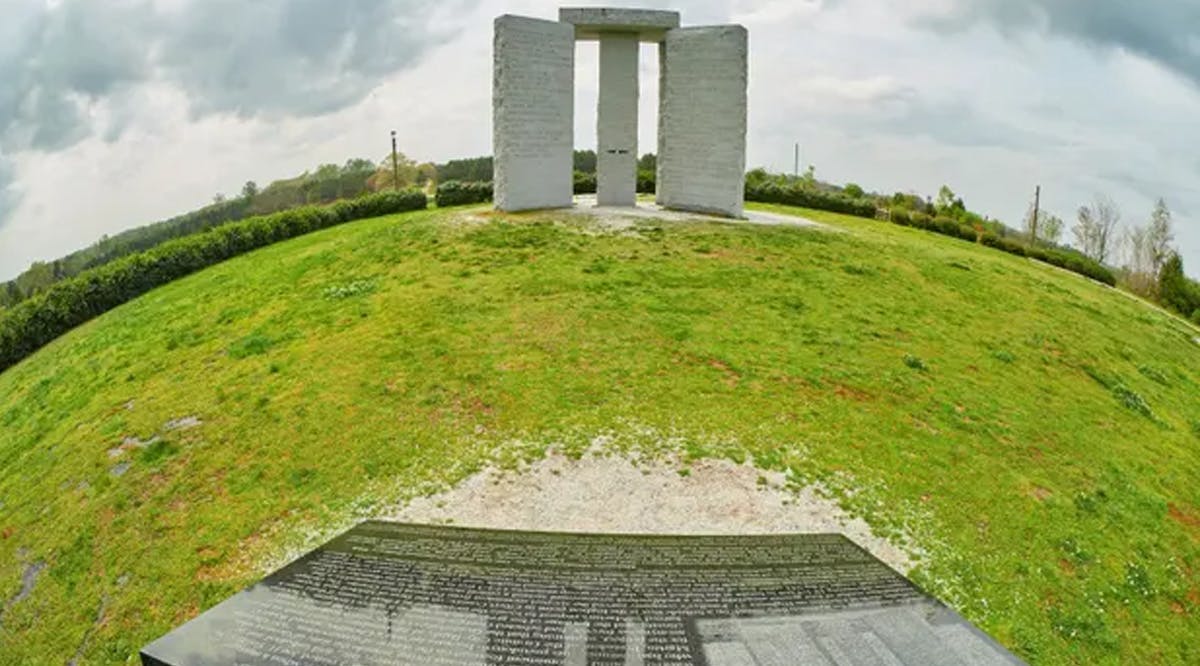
456, 193
808, 197
35, 322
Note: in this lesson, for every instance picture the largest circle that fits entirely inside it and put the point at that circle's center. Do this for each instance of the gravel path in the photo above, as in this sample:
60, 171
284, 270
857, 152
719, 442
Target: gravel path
614, 495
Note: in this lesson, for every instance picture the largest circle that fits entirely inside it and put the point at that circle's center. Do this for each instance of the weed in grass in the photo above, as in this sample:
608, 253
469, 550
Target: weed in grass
1076, 553
1137, 581
858, 269
599, 266
793, 304
1084, 625
349, 290
232, 314
188, 338
72, 562
914, 362
1091, 502
1196, 427
298, 478
1004, 356
1153, 374
1132, 400
157, 451
1100, 377
254, 344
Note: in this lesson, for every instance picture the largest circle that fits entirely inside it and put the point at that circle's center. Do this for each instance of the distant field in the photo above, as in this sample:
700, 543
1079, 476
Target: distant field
1036, 435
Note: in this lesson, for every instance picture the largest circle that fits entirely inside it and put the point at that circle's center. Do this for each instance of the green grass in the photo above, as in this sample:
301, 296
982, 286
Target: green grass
1036, 435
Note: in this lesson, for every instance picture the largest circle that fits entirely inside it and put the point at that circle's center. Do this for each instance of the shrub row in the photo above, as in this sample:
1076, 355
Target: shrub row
808, 197
35, 322
585, 183
457, 193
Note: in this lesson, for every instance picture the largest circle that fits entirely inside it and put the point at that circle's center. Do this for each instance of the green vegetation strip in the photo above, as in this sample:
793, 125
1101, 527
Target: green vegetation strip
40, 319
1036, 434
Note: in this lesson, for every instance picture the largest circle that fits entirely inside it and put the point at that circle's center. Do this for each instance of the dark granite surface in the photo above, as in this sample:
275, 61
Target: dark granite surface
387, 593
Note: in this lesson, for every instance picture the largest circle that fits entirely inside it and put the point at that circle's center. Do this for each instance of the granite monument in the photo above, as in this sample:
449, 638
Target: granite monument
702, 109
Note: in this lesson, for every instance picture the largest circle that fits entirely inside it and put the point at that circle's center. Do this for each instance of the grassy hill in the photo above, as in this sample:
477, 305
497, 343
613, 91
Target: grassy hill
1035, 435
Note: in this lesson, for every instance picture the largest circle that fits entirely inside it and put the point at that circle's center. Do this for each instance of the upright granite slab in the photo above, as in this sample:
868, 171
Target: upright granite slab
533, 113
386, 593
702, 120
617, 121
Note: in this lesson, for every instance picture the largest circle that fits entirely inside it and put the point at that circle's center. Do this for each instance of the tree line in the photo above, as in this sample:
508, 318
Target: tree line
325, 184
1141, 256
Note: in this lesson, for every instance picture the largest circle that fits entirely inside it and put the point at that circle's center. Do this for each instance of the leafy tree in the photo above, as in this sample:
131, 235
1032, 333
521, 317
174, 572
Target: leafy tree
585, 161
945, 198
1175, 289
853, 189
1095, 233
648, 162
354, 176
249, 190
1051, 228
1159, 236
37, 279
757, 177
327, 182
474, 170
218, 198
10, 295
948, 204
1140, 274
426, 173
385, 174
1048, 228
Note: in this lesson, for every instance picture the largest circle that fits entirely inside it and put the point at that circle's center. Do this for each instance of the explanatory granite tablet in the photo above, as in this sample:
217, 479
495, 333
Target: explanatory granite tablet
388, 593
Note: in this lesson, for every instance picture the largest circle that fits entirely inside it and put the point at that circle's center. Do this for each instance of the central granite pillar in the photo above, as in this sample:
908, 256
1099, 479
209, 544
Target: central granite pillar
617, 120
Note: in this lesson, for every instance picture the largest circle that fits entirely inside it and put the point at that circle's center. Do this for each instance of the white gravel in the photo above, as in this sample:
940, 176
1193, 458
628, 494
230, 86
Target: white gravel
621, 216
601, 494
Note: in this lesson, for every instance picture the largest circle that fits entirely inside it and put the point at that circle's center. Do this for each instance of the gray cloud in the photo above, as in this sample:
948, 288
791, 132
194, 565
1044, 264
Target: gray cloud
8, 188
1165, 31
298, 57
275, 57
956, 123
59, 59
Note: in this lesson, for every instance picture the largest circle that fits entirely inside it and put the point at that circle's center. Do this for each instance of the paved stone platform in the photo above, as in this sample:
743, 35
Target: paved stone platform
586, 204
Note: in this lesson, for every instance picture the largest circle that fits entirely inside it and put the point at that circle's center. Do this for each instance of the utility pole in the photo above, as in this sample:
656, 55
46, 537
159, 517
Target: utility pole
796, 173
1033, 224
395, 165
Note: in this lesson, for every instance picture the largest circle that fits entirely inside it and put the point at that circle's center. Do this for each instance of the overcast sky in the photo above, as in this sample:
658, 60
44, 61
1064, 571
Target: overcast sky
116, 114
